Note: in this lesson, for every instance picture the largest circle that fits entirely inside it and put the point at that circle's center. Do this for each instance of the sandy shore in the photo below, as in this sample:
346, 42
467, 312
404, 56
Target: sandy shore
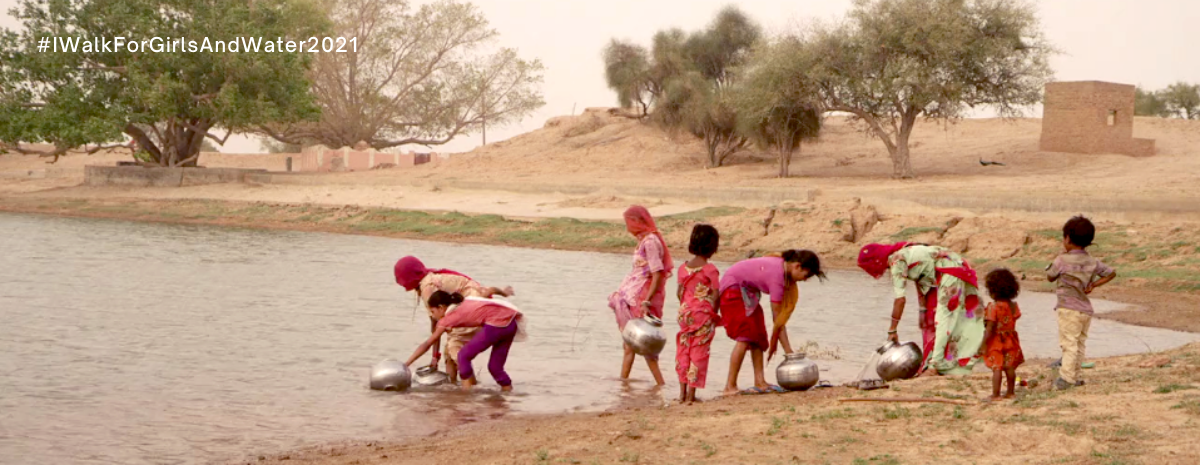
1136, 409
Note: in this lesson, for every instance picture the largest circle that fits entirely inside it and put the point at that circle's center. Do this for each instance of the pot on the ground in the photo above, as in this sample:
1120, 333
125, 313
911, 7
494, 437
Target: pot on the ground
797, 373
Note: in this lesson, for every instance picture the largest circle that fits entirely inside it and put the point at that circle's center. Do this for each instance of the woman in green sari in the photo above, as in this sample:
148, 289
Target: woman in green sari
949, 289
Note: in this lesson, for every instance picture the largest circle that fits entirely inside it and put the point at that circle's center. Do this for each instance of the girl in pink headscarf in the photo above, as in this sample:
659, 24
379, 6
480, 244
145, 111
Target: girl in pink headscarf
642, 290
414, 276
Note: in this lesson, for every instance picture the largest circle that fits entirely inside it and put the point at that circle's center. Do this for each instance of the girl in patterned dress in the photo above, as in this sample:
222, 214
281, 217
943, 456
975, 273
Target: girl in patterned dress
697, 292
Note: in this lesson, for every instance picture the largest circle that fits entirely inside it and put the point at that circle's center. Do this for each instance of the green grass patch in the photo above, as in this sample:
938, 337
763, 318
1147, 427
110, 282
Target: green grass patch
776, 426
834, 414
1169, 388
1049, 233
886, 459
895, 413
1191, 406
909, 233
704, 214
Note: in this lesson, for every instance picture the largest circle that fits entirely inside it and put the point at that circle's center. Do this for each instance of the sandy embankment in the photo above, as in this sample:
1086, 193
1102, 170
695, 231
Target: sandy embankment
1137, 409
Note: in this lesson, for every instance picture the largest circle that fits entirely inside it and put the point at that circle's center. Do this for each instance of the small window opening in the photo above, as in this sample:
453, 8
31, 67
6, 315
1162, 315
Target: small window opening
1112, 117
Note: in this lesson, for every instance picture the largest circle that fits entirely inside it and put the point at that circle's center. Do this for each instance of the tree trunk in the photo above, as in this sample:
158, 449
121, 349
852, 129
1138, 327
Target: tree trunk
713, 143
785, 163
901, 166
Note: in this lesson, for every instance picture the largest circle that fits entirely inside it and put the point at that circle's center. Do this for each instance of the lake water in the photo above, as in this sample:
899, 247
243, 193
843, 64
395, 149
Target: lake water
144, 343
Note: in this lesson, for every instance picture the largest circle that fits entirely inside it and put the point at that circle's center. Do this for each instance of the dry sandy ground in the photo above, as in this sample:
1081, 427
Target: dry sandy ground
1139, 409
596, 154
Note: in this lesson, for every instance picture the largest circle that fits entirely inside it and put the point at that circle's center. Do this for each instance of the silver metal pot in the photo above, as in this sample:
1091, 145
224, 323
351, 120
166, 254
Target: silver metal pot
797, 373
899, 361
390, 375
428, 376
645, 335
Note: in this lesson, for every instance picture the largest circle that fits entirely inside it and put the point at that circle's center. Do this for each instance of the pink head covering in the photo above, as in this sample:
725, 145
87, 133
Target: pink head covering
873, 258
410, 271
640, 223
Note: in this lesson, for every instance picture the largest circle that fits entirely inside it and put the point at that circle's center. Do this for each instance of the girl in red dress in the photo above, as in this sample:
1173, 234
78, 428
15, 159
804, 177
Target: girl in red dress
1002, 351
697, 292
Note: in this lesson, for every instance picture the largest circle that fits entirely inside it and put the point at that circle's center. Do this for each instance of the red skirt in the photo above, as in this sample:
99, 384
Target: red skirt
751, 329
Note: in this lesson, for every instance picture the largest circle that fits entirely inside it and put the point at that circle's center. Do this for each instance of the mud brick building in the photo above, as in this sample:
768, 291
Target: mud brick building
1091, 117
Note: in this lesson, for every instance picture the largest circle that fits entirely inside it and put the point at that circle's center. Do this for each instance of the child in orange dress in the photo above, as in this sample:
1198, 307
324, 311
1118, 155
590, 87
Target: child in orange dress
1002, 347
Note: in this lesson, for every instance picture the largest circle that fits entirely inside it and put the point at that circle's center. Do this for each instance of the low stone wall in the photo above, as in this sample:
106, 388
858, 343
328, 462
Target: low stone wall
139, 176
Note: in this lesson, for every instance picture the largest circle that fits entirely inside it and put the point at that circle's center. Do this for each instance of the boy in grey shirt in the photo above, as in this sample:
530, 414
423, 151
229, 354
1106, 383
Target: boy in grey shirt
1077, 274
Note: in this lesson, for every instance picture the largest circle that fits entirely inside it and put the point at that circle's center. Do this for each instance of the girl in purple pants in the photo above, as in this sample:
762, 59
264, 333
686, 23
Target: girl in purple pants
501, 324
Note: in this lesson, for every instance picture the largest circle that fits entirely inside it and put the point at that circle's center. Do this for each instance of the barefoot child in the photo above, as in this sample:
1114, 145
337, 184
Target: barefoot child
641, 291
743, 316
1003, 348
697, 292
500, 322
1076, 273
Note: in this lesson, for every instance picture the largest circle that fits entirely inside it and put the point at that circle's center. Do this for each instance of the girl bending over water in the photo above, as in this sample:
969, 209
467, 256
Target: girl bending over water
499, 324
413, 276
742, 314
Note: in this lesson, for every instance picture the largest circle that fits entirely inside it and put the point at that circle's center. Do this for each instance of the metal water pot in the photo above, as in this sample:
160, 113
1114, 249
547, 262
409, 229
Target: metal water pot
899, 361
797, 373
429, 376
645, 335
390, 375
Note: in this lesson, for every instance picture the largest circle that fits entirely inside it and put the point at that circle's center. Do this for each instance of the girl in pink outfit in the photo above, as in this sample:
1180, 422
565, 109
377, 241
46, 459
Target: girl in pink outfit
500, 324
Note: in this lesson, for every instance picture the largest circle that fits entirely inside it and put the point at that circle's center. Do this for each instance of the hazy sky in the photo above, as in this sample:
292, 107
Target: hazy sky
1147, 42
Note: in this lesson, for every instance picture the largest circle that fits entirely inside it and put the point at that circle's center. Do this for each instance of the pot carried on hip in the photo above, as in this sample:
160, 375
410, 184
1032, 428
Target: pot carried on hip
644, 335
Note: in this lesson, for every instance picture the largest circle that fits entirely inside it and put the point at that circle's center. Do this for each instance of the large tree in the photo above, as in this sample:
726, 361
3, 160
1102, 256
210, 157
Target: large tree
167, 98
895, 61
627, 72
683, 81
778, 106
1148, 103
1181, 100
419, 76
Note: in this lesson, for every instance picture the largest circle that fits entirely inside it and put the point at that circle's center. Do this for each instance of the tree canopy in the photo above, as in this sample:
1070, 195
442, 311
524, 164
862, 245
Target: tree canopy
684, 81
168, 101
420, 75
777, 103
895, 61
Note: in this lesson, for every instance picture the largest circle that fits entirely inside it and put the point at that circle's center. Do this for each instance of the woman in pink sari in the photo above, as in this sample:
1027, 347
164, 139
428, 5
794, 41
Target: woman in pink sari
642, 290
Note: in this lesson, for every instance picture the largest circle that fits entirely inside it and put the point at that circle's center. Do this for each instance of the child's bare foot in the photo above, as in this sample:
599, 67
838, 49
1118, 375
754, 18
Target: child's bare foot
506, 388
730, 391
1010, 396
